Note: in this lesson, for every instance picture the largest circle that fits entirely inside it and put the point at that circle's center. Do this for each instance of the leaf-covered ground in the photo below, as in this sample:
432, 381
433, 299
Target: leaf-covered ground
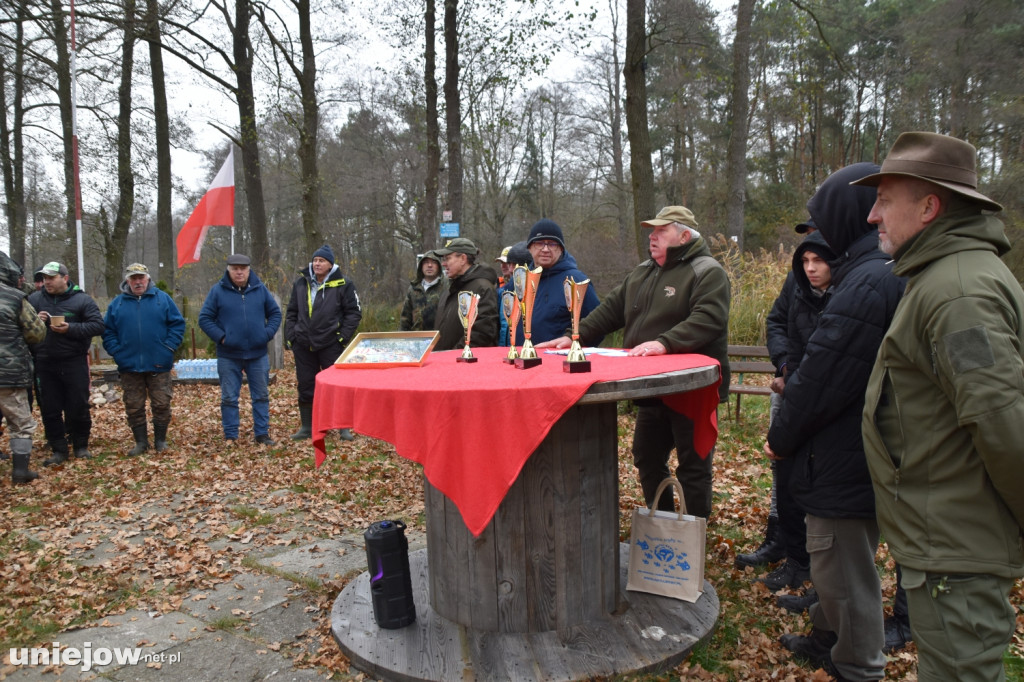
170, 524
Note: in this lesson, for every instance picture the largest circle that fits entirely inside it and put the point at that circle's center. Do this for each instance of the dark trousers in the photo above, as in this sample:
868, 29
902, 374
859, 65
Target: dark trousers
64, 404
659, 429
791, 517
308, 364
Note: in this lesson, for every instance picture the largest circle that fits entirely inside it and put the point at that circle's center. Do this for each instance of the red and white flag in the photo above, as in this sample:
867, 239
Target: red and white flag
217, 207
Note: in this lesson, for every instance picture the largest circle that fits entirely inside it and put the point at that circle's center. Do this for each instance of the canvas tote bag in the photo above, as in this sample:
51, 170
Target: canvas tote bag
666, 550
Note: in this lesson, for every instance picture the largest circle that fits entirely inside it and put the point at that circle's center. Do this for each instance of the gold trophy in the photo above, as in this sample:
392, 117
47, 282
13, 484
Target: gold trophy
510, 309
574, 293
528, 356
468, 302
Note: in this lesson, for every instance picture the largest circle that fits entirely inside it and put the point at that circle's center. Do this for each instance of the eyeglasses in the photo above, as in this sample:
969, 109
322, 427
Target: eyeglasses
549, 245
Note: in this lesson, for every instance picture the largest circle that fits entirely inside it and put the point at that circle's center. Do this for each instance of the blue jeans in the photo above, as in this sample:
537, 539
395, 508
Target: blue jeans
257, 371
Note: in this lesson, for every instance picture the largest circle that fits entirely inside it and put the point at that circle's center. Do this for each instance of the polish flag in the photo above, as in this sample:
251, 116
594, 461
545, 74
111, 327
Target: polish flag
217, 207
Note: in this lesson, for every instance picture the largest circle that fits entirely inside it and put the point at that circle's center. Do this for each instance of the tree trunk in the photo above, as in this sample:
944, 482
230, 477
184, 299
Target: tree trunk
428, 211
453, 111
114, 261
636, 119
162, 132
736, 158
308, 136
249, 137
14, 164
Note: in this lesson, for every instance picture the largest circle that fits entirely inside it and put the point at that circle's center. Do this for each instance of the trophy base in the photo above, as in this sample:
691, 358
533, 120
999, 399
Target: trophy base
527, 363
576, 367
466, 359
509, 361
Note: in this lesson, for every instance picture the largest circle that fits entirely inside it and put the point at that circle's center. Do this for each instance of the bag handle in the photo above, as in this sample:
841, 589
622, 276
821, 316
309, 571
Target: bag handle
674, 482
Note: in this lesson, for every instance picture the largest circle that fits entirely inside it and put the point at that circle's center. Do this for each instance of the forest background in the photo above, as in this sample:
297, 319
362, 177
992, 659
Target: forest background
501, 112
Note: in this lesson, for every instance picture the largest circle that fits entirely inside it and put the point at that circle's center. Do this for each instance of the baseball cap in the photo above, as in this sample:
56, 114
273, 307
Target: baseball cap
672, 214
52, 268
808, 224
458, 245
504, 254
238, 259
135, 269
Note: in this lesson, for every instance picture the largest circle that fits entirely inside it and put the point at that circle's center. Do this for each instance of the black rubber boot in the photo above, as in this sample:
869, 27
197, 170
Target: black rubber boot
21, 450
305, 432
770, 551
141, 440
60, 453
159, 437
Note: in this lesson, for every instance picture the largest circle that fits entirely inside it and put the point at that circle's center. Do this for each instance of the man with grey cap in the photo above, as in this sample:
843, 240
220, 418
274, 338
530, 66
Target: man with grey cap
72, 318
675, 302
241, 316
944, 412
143, 329
458, 257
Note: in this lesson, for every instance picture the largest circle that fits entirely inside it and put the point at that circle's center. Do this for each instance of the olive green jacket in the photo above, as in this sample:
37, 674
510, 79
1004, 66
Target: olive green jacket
683, 304
944, 411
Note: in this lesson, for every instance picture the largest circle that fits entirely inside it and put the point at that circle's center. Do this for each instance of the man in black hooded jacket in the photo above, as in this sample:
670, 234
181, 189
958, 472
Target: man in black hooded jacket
819, 426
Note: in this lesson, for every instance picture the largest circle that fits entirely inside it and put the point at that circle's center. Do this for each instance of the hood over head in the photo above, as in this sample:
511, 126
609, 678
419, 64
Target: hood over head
840, 210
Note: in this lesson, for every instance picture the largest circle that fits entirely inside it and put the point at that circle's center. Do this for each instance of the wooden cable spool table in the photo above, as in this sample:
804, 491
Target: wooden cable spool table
539, 592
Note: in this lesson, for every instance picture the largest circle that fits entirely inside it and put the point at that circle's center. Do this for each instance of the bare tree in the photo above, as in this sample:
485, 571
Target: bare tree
636, 118
736, 160
162, 135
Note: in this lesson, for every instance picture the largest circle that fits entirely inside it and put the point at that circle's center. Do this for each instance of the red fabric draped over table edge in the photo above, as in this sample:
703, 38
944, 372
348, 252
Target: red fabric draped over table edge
473, 425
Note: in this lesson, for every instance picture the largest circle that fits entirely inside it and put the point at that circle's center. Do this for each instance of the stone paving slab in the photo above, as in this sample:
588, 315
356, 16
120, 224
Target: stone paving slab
247, 592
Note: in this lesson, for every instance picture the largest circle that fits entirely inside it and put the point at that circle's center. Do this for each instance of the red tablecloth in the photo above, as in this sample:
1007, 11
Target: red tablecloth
473, 425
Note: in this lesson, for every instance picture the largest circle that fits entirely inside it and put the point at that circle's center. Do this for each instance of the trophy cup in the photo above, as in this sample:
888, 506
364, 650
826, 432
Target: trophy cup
510, 309
468, 302
574, 293
528, 356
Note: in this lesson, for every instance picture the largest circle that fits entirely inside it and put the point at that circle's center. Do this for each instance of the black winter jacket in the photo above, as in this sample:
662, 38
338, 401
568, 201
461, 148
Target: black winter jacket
806, 305
331, 317
776, 325
820, 420
83, 318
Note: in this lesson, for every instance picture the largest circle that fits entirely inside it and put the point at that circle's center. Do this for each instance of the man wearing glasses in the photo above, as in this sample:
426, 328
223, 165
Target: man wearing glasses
550, 314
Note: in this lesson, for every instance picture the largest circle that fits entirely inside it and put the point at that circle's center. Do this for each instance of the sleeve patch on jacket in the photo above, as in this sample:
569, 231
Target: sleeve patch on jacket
968, 349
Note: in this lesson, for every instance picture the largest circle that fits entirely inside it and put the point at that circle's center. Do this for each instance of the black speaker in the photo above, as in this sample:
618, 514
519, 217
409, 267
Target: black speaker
387, 559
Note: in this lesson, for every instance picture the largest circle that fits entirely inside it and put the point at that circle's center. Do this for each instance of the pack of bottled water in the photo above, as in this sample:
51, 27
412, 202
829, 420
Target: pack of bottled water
196, 369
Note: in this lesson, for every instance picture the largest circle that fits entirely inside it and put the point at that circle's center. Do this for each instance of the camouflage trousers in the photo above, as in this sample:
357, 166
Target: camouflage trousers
18, 411
136, 386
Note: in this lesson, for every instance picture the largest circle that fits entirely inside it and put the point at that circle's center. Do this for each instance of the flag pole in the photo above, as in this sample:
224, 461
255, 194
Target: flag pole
74, 152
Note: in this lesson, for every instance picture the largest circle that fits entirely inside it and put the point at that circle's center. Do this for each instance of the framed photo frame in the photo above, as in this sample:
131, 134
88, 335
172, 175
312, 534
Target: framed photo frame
378, 350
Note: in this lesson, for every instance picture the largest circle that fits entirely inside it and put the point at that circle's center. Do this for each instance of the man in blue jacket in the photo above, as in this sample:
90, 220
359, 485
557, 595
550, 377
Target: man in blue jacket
143, 328
241, 316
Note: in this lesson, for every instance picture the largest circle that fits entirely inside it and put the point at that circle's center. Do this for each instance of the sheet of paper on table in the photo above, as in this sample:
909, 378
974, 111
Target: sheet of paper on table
607, 352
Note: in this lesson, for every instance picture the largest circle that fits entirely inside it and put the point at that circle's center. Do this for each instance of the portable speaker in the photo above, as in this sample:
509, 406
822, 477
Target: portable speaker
387, 559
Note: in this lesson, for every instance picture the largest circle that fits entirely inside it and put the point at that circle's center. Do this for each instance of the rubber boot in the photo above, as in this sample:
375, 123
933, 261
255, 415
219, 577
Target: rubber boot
159, 437
346, 434
141, 440
305, 431
60, 453
80, 447
21, 450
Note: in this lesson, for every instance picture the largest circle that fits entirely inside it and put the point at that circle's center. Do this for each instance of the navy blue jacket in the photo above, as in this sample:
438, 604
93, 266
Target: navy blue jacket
241, 321
550, 314
142, 332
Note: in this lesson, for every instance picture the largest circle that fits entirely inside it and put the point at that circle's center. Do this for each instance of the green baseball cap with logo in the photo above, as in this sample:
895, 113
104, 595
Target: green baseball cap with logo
52, 269
458, 245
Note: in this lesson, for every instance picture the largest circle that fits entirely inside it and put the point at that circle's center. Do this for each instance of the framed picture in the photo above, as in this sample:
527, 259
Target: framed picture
387, 349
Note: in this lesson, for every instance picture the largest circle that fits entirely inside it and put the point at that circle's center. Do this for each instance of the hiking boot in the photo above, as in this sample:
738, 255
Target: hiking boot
770, 551
57, 458
815, 647
798, 603
788, 574
265, 439
141, 440
83, 453
897, 634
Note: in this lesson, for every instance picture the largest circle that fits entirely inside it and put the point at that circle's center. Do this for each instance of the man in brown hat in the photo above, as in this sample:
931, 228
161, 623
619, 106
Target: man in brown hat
944, 411
458, 258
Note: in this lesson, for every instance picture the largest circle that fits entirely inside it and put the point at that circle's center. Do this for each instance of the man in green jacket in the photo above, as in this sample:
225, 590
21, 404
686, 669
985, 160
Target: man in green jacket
676, 302
944, 410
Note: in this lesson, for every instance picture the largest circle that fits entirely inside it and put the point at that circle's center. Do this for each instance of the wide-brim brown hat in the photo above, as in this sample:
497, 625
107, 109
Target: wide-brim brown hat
940, 159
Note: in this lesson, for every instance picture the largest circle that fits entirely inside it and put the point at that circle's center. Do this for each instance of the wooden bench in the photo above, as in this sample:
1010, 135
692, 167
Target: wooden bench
748, 360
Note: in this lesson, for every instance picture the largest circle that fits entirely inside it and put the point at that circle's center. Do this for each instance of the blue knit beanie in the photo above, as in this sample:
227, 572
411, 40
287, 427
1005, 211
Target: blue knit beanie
325, 253
546, 229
